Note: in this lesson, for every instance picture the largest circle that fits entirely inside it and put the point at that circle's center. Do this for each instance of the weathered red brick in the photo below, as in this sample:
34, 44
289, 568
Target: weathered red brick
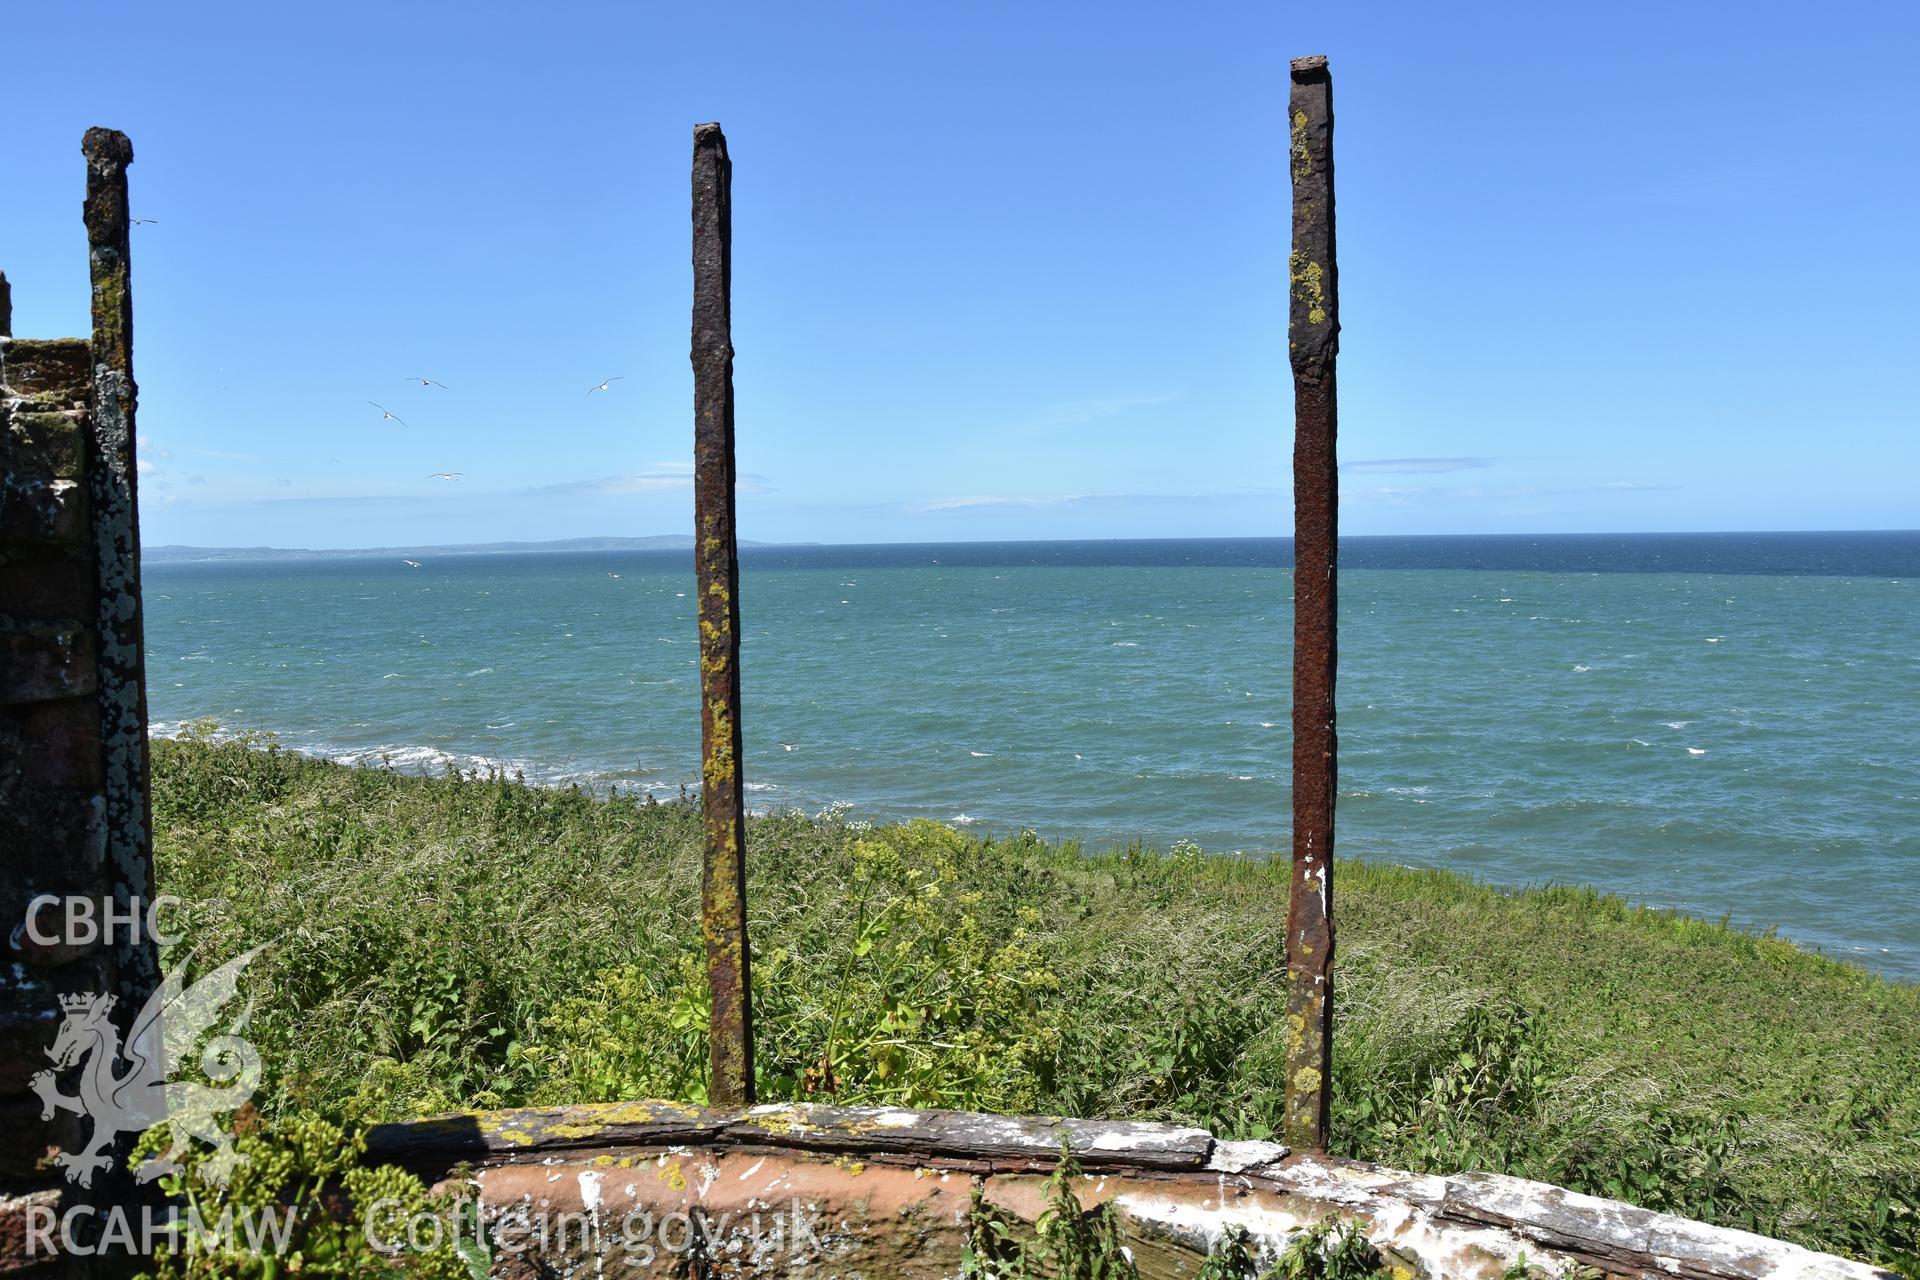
47, 585
16, 1214
56, 371
59, 742
30, 1015
43, 444
32, 1142
42, 510
40, 661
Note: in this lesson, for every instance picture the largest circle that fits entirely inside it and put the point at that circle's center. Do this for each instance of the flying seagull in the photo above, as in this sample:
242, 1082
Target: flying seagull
429, 382
142, 222
603, 386
446, 475
386, 413
411, 564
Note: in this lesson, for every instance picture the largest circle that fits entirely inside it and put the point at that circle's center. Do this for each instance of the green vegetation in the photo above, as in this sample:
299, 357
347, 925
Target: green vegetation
466, 942
278, 1214
1066, 1242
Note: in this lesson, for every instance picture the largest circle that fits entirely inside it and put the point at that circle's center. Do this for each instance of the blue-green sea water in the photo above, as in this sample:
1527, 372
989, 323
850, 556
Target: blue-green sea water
1726, 724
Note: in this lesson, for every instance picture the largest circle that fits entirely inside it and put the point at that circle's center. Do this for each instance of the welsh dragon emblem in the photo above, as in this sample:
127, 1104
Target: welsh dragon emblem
158, 1045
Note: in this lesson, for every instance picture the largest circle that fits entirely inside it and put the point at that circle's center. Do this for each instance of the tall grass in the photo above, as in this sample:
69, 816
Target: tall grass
454, 942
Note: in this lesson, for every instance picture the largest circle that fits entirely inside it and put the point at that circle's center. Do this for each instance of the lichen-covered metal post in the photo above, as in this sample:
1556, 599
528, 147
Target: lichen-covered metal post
723, 897
112, 475
1313, 340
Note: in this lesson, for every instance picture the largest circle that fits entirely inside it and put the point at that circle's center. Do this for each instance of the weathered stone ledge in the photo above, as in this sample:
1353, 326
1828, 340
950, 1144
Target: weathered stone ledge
897, 1190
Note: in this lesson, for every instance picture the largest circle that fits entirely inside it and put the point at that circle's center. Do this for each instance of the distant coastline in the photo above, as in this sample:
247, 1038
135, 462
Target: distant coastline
656, 542
1891, 553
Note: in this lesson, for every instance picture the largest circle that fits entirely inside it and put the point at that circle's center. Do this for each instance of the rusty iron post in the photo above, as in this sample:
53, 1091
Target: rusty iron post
1313, 340
112, 475
723, 890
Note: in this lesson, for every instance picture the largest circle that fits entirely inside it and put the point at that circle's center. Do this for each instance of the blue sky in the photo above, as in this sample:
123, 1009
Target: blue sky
1000, 271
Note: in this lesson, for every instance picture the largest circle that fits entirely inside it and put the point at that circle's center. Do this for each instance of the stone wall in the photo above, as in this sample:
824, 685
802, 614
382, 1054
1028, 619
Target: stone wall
815, 1191
73, 785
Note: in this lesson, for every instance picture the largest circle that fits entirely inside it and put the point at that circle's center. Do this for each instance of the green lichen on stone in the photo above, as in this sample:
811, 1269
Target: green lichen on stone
42, 445
1302, 156
1309, 286
718, 768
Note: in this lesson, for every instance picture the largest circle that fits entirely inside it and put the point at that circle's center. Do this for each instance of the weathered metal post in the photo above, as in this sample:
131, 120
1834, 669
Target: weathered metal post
1313, 340
112, 476
723, 894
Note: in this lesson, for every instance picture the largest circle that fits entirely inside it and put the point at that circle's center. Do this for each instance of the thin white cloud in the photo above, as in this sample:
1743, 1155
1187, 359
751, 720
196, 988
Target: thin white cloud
661, 477
1000, 500
1440, 494
1032, 501
1414, 466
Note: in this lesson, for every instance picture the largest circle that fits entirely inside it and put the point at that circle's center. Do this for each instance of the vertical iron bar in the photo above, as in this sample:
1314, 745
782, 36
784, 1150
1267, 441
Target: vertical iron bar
112, 473
1313, 340
723, 890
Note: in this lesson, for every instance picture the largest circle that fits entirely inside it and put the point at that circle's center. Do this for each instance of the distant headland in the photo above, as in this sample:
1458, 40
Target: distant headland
655, 542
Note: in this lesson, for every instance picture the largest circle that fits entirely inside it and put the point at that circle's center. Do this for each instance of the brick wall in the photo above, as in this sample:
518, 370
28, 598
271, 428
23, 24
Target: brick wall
73, 763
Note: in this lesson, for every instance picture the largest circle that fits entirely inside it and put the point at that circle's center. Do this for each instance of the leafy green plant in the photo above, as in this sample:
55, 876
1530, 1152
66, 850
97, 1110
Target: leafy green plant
298, 1203
1232, 1256
1333, 1249
1066, 1242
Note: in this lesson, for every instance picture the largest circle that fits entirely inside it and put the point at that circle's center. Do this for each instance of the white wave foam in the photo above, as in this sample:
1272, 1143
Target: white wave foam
409, 758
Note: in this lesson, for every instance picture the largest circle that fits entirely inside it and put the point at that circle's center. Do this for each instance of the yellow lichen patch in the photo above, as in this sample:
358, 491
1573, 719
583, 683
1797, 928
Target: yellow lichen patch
1302, 158
497, 1127
671, 1174
784, 1120
1309, 287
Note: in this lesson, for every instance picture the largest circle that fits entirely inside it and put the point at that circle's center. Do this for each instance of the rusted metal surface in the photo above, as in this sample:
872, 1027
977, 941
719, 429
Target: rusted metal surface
1313, 339
112, 475
723, 898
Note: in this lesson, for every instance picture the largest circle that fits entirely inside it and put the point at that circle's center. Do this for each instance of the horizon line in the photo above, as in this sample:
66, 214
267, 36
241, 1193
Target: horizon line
510, 545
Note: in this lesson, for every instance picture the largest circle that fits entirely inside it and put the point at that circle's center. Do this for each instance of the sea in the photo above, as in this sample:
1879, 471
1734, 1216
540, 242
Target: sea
1726, 724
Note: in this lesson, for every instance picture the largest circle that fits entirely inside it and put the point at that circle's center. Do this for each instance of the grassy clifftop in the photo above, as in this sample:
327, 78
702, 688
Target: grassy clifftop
458, 942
